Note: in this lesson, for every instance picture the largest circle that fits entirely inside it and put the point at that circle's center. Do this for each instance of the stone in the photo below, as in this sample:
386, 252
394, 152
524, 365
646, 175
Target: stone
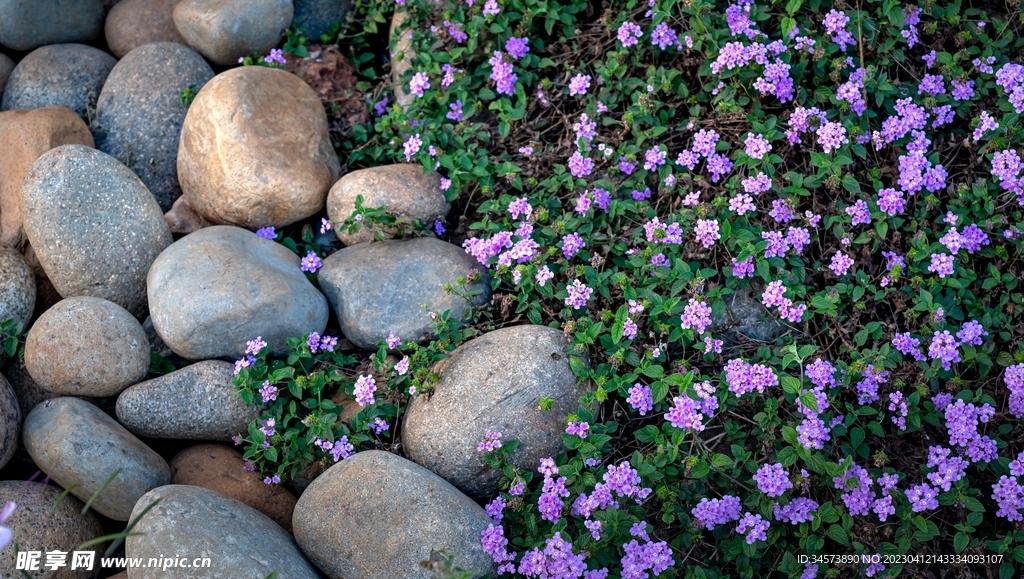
93, 225
350, 529
745, 314
6, 67
10, 422
182, 219
216, 289
26, 26
17, 290
197, 402
493, 382
220, 468
139, 113
316, 17
377, 288
132, 23
79, 446
29, 392
24, 137
69, 75
86, 346
37, 526
402, 55
255, 150
226, 30
239, 540
402, 189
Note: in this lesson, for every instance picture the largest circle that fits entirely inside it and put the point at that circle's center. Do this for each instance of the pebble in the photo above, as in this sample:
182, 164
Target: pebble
69, 75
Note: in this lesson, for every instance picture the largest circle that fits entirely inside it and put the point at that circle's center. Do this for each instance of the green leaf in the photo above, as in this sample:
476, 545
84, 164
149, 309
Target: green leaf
792, 6
961, 541
791, 385
838, 534
810, 401
850, 184
721, 461
653, 371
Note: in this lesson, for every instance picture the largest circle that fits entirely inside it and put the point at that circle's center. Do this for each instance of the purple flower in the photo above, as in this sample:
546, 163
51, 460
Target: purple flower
579, 84
922, 497
393, 341
654, 158
543, 276
577, 429
381, 107
571, 244
502, 75
831, 136
275, 56
707, 232
378, 425
772, 480
757, 146
420, 82
267, 232
272, 480
860, 213
364, 389
311, 262
941, 264
963, 90
412, 146
696, 315
268, 392
402, 366
713, 512
517, 47
840, 264
455, 114
664, 36
579, 165
835, 25
754, 527
579, 294
640, 399
629, 34
944, 348
685, 414
490, 443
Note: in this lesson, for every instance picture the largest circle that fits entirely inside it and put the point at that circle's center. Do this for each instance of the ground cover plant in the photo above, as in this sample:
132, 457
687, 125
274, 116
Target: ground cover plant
627, 170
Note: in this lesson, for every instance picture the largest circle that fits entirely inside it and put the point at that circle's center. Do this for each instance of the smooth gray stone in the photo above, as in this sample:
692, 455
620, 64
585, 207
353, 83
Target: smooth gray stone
216, 289
139, 114
493, 382
10, 422
79, 446
225, 30
93, 225
6, 68
376, 515
27, 25
69, 75
316, 17
17, 289
378, 288
239, 540
197, 402
746, 315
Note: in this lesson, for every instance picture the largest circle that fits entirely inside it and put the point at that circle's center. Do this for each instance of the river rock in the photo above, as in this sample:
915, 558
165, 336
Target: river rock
132, 23
239, 540
493, 382
36, 528
316, 17
29, 392
255, 150
745, 314
221, 468
69, 75
86, 346
78, 444
377, 288
93, 225
226, 30
402, 55
197, 402
17, 290
6, 67
402, 189
29, 25
24, 137
139, 113
350, 529
217, 288
10, 422
182, 219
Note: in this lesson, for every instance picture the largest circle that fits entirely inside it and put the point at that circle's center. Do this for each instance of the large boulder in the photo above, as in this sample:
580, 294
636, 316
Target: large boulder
44, 521
17, 289
69, 75
10, 422
221, 468
140, 113
255, 150
350, 529
24, 137
402, 189
378, 288
226, 30
197, 402
6, 68
29, 25
494, 382
80, 447
93, 225
239, 540
132, 23
316, 17
217, 288
85, 346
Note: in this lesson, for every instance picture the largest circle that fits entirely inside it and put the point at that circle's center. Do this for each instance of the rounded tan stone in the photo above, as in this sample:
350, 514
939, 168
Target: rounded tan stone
220, 468
24, 136
255, 150
132, 23
224, 30
401, 189
38, 527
